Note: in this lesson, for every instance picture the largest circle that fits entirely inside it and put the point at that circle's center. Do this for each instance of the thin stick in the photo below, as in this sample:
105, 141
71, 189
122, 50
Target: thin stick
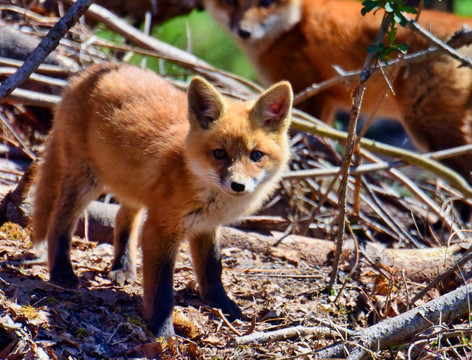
225, 320
355, 111
17, 136
445, 47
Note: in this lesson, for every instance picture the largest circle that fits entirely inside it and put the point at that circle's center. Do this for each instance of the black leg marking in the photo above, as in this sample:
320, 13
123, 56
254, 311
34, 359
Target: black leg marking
62, 272
214, 292
122, 260
160, 322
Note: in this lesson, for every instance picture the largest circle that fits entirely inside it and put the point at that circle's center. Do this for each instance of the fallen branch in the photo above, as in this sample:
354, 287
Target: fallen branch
28, 97
466, 257
40, 79
44, 69
304, 122
399, 329
288, 333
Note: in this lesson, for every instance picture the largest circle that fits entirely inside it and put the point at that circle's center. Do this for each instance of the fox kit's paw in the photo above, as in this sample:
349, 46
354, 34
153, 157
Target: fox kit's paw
162, 327
122, 277
228, 307
65, 278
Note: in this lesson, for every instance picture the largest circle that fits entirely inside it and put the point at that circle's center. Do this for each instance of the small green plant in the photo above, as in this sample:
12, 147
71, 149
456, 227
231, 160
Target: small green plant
136, 320
30, 312
15, 232
81, 333
396, 8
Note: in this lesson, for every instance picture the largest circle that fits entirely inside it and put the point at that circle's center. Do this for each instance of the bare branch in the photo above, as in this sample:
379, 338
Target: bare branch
47, 44
440, 44
350, 142
461, 38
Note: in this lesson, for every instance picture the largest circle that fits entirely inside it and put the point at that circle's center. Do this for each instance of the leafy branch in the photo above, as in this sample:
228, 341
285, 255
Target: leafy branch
397, 9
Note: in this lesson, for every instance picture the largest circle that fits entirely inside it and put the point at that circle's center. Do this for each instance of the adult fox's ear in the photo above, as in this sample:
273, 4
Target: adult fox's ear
205, 104
273, 108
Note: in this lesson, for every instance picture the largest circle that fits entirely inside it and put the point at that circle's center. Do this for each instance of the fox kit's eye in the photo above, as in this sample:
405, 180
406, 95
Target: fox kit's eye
232, 2
265, 3
220, 154
256, 155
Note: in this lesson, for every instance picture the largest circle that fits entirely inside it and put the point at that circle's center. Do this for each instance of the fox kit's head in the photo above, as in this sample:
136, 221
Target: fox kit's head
238, 147
255, 21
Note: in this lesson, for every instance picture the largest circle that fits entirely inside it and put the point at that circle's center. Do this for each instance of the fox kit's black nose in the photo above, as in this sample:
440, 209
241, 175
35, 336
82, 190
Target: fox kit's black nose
244, 34
237, 187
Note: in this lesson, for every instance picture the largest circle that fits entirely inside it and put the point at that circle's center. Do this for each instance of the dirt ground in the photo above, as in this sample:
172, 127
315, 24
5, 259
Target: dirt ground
102, 320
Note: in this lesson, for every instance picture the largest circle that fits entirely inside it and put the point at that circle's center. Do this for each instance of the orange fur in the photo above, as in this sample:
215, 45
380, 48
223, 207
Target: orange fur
129, 131
301, 41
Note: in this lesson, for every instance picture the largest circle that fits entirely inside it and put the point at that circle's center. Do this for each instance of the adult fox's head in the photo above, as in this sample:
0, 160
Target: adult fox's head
255, 21
236, 146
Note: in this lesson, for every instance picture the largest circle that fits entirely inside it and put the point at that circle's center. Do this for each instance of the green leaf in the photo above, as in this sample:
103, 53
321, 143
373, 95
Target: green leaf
400, 19
372, 49
403, 48
408, 9
370, 5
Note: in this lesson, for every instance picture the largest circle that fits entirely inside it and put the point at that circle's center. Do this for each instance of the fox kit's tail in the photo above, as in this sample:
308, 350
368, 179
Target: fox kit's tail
46, 188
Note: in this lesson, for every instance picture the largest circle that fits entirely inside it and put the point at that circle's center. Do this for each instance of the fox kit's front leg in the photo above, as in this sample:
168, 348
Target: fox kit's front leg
160, 246
206, 256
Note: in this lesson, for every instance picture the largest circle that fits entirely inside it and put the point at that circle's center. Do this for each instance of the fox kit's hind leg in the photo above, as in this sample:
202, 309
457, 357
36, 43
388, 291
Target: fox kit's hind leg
206, 256
76, 188
125, 243
46, 189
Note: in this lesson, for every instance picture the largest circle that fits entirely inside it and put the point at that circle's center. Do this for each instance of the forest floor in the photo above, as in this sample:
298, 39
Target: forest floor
101, 320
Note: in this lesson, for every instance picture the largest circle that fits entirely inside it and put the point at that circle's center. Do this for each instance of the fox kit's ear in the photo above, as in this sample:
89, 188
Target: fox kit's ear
205, 103
274, 106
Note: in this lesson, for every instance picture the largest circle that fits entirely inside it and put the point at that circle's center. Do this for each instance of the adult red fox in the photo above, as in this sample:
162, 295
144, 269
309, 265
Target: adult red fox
301, 40
194, 161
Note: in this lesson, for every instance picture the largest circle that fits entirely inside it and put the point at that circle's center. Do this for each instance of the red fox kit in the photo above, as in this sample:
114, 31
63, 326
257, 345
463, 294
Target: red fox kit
301, 40
194, 162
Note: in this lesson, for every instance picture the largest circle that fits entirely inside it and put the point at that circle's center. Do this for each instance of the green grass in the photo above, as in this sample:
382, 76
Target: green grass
463, 7
206, 40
